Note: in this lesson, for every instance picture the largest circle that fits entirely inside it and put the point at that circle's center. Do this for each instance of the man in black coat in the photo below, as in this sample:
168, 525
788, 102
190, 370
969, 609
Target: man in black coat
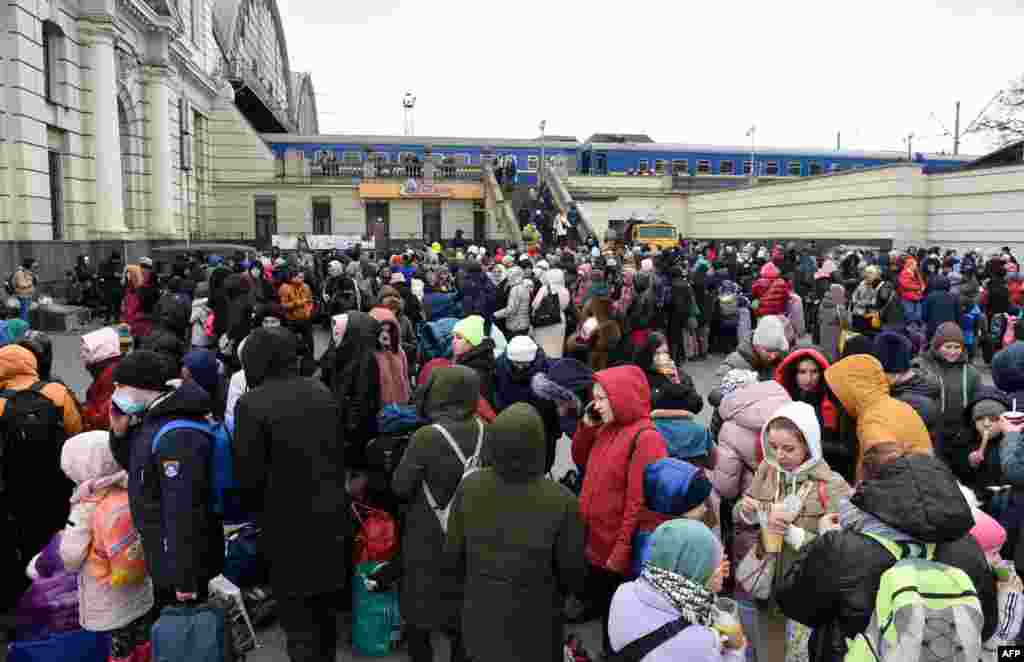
290, 462
832, 586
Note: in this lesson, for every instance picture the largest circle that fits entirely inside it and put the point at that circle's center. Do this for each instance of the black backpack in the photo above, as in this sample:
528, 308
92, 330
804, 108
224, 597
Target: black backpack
29, 418
31, 422
548, 312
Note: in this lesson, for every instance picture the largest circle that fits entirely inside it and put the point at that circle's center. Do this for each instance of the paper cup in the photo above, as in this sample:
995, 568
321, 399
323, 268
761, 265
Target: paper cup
772, 541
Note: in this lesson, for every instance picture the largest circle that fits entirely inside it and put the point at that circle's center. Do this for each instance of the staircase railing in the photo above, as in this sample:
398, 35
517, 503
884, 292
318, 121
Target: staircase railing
501, 208
563, 200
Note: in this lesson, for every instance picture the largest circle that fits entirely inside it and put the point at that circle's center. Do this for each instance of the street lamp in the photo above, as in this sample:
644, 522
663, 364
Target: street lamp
408, 106
540, 169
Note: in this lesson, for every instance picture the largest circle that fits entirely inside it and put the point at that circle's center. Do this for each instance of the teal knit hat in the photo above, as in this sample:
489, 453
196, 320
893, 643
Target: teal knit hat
685, 547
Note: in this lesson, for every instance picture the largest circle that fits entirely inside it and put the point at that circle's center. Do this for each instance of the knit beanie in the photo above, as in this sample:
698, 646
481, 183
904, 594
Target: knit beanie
687, 548
989, 533
674, 487
893, 351
858, 344
145, 369
471, 329
947, 332
1008, 368
986, 408
770, 334
203, 366
521, 349
571, 374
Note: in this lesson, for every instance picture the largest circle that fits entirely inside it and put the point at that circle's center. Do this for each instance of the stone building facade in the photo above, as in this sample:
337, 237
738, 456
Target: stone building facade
112, 112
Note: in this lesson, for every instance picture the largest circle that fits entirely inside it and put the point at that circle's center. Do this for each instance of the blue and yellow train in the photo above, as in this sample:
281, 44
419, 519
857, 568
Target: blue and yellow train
603, 154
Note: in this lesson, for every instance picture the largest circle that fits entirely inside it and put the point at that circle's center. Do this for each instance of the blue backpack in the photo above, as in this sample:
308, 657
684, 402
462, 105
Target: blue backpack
225, 488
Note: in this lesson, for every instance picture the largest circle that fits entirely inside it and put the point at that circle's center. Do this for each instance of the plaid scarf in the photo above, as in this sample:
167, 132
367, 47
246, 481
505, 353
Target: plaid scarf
691, 599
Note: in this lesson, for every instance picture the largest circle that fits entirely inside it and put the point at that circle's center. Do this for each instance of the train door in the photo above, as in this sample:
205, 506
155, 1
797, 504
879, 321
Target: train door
600, 163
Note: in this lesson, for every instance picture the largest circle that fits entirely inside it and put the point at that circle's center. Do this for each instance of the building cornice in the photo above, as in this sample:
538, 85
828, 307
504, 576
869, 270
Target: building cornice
182, 57
147, 18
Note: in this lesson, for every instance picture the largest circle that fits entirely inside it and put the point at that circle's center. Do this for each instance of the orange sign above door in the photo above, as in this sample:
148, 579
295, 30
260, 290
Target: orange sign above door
416, 188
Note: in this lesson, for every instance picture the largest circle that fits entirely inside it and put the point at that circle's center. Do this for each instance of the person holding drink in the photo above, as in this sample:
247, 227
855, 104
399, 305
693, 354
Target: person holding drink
794, 496
671, 611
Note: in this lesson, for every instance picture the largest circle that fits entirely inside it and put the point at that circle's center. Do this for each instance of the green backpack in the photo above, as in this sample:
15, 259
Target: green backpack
925, 611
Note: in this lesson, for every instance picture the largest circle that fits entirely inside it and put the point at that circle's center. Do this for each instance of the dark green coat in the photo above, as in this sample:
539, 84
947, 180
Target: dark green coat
517, 539
431, 592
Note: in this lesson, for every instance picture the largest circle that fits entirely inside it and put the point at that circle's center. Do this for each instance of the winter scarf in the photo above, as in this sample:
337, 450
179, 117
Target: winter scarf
691, 599
852, 518
95, 486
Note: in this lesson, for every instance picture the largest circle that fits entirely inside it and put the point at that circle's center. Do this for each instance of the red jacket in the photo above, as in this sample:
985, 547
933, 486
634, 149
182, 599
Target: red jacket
612, 499
772, 291
96, 408
911, 284
785, 374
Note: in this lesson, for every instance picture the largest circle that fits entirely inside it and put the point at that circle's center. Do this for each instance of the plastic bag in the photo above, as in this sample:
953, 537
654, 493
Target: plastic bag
377, 536
48, 607
376, 621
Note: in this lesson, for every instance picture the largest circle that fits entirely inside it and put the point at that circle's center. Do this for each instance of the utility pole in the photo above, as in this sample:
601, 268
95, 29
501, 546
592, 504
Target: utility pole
956, 131
839, 142
910, 146
753, 160
540, 168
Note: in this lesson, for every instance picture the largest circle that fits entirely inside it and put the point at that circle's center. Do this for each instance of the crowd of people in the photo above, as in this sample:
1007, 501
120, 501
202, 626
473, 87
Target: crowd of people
858, 485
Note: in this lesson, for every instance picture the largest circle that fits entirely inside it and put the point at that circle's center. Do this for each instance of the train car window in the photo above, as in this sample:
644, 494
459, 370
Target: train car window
379, 157
814, 168
644, 165
351, 157
747, 167
659, 166
795, 169
680, 167
726, 168
836, 167
463, 159
771, 168
703, 167
532, 162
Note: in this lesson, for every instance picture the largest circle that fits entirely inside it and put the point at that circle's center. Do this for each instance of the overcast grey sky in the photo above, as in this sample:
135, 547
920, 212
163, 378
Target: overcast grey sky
680, 71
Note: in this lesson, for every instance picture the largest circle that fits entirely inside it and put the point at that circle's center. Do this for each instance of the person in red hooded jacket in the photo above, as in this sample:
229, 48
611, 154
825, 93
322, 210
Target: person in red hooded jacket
771, 291
910, 286
101, 352
614, 443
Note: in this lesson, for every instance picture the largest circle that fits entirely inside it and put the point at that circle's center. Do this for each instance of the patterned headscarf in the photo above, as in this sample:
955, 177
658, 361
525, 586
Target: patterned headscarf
688, 596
